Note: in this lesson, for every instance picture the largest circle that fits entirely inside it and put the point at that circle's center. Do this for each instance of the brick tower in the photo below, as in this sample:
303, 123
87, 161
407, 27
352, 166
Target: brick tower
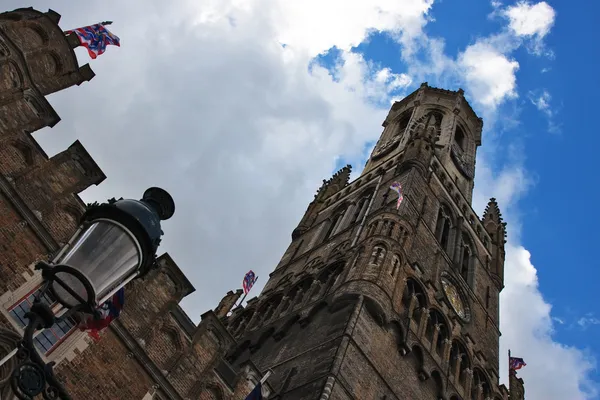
374, 302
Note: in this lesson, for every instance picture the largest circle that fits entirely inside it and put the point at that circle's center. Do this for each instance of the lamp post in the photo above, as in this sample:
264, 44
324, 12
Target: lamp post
115, 243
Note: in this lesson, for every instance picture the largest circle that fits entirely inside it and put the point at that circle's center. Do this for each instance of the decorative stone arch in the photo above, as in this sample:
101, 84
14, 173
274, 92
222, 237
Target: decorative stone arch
481, 381
173, 333
375, 309
396, 265
32, 36
343, 301
437, 384
460, 361
267, 309
328, 278
396, 329
437, 330
313, 263
340, 250
418, 361
12, 76
414, 288
212, 391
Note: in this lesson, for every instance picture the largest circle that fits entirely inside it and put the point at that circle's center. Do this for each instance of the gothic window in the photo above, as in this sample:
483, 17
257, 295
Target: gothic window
395, 266
436, 321
48, 339
390, 228
442, 230
336, 220
378, 255
404, 120
413, 289
361, 207
373, 228
466, 254
480, 380
459, 138
459, 358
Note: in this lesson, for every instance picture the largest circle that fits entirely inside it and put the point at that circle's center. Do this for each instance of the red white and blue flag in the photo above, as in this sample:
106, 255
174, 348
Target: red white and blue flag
256, 393
396, 187
109, 311
248, 281
516, 363
95, 38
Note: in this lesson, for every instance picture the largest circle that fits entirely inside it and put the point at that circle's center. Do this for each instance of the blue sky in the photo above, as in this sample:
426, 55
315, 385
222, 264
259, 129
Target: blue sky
204, 101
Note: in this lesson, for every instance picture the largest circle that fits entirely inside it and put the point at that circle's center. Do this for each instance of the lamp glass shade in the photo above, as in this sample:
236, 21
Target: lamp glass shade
106, 254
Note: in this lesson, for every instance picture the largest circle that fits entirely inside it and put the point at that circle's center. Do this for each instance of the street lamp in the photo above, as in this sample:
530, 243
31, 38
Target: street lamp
115, 243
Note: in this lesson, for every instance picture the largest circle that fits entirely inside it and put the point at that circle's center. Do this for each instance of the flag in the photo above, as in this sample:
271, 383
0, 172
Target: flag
396, 187
516, 363
248, 282
256, 393
109, 311
95, 38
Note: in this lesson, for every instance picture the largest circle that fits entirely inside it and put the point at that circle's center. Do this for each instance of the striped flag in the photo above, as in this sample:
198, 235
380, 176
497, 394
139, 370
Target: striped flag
516, 363
95, 38
396, 187
248, 281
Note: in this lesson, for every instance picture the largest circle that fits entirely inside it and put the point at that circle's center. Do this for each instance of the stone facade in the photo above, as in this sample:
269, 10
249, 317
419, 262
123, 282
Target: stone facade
371, 301
368, 302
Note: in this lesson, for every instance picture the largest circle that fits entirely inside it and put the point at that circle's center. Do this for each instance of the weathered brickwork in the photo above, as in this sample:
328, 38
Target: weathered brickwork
368, 302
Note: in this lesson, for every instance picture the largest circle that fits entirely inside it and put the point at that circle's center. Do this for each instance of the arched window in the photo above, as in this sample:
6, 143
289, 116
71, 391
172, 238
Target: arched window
436, 320
466, 254
459, 358
373, 228
389, 228
361, 207
378, 255
395, 266
413, 289
335, 223
459, 138
442, 229
404, 120
480, 380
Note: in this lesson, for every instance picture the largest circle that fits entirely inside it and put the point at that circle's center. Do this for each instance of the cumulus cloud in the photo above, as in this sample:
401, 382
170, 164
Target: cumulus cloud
203, 99
528, 19
489, 74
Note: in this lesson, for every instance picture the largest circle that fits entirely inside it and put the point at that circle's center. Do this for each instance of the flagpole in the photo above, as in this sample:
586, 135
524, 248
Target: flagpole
266, 376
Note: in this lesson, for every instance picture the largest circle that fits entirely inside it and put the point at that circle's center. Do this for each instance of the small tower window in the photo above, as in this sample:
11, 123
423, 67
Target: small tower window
395, 266
459, 138
377, 255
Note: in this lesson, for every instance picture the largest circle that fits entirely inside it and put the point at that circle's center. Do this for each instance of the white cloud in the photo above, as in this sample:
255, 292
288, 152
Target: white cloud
489, 74
215, 110
588, 320
528, 19
541, 100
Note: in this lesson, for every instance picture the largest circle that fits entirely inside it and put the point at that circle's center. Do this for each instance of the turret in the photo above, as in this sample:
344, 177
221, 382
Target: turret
227, 303
496, 228
338, 181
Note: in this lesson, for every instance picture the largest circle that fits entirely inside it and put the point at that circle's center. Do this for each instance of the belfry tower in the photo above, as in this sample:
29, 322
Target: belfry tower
374, 302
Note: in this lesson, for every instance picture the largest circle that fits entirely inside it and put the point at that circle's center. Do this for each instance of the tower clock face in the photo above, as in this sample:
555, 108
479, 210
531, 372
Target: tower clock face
454, 297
